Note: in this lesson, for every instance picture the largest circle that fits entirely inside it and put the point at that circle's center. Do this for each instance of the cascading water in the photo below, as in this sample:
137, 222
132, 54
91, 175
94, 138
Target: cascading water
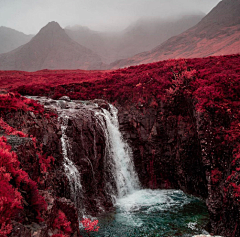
118, 153
139, 212
70, 169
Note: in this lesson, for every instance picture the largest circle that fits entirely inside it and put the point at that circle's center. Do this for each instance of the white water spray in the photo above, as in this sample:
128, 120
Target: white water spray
118, 153
70, 169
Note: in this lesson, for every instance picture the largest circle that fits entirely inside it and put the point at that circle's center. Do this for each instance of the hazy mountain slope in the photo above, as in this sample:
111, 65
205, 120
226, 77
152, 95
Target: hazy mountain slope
51, 48
143, 35
11, 39
217, 33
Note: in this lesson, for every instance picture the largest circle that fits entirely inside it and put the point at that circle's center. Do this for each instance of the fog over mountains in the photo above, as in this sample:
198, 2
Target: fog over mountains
143, 35
11, 39
51, 48
145, 41
218, 33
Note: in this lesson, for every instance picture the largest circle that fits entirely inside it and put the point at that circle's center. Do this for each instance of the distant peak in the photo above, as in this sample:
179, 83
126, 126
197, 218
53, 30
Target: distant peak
53, 24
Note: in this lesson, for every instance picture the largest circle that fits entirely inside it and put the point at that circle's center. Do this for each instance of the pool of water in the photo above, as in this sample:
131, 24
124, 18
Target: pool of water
151, 213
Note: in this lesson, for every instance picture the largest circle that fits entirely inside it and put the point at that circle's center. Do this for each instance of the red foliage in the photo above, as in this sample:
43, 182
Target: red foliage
10, 130
13, 179
90, 225
45, 163
215, 176
14, 102
10, 198
62, 224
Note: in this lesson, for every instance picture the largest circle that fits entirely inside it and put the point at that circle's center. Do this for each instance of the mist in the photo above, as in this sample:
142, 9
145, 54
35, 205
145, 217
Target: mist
29, 16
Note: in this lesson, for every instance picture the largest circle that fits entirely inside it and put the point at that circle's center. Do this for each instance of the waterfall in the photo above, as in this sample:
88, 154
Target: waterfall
139, 212
70, 169
120, 177
118, 153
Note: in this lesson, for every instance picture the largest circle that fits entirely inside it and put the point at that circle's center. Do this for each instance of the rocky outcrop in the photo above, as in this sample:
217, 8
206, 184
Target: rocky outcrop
174, 146
166, 148
85, 140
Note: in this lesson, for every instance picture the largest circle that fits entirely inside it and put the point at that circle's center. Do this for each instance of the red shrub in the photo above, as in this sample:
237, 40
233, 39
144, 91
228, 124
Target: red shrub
10, 171
10, 130
14, 102
90, 225
62, 224
215, 176
45, 163
10, 198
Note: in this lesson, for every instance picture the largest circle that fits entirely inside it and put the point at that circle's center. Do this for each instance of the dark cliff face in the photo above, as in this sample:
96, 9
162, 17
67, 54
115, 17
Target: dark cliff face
175, 149
86, 149
166, 148
171, 148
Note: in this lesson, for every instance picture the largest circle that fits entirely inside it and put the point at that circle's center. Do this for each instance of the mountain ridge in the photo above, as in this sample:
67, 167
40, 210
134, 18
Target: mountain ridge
51, 48
216, 34
11, 39
142, 35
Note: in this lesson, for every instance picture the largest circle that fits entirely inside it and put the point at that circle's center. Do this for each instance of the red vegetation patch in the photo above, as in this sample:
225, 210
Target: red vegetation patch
45, 162
215, 176
13, 181
10, 130
62, 224
14, 102
207, 79
90, 225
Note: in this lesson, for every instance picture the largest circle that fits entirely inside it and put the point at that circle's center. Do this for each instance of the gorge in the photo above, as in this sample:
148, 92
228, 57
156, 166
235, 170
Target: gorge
179, 117
136, 208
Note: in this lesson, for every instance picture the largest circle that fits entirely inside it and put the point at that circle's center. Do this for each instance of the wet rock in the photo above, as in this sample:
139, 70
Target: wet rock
169, 152
102, 104
16, 141
19, 230
63, 104
65, 98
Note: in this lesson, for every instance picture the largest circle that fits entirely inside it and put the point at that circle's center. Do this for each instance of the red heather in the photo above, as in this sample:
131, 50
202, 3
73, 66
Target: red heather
62, 224
10, 195
10, 130
90, 225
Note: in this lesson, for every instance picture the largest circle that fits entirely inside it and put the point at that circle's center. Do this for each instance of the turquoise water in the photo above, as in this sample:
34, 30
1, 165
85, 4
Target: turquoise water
152, 213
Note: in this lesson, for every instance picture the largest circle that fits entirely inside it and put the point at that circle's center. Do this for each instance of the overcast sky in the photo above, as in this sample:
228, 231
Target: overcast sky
29, 16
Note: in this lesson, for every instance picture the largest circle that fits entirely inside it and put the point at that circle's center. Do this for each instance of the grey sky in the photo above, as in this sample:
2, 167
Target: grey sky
29, 16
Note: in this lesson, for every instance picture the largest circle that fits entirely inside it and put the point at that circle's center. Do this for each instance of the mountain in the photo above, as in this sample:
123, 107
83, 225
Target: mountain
11, 39
218, 33
51, 48
143, 35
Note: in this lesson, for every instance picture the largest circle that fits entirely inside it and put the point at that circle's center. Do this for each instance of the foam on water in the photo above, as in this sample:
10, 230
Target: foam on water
148, 201
119, 154
155, 213
139, 212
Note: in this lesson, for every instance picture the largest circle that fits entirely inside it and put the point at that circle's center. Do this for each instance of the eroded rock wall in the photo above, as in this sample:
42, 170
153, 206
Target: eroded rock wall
176, 146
